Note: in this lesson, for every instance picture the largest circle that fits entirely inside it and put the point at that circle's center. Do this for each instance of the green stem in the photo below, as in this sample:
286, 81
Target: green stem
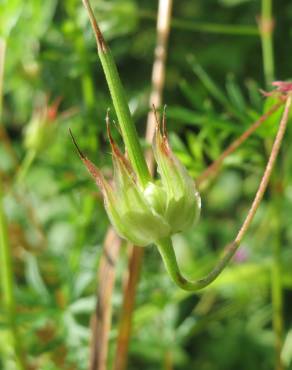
266, 32
8, 285
166, 250
165, 246
88, 91
2, 61
118, 95
6, 271
277, 295
25, 165
276, 271
227, 29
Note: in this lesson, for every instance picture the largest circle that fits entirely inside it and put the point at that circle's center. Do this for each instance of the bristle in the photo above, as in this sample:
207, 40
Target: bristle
82, 156
115, 149
164, 122
156, 117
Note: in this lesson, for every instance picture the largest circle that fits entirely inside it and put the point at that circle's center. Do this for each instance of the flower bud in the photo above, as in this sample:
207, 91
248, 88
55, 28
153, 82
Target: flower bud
127, 208
41, 129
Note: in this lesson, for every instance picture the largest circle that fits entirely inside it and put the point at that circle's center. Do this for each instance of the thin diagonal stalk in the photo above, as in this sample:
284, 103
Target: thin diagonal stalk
25, 166
266, 26
165, 246
214, 167
137, 253
205, 27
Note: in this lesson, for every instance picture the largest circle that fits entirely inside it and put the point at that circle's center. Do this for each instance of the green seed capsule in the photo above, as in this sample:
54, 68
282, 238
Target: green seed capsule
160, 209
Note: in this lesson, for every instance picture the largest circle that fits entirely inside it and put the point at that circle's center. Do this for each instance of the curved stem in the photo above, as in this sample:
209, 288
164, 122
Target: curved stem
166, 250
165, 246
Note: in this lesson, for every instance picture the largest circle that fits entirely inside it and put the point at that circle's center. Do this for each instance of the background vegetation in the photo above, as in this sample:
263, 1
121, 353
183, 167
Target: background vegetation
56, 221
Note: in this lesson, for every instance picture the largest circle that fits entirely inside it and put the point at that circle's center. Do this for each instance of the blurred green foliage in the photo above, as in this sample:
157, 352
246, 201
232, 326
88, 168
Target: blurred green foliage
56, 217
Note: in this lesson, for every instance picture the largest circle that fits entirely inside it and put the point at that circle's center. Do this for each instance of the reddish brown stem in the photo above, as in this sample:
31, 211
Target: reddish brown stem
214, 167
101, 319
121, 357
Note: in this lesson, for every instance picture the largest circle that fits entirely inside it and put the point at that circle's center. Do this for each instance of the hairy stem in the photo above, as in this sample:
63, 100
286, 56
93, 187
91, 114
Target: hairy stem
165, 246
118, 95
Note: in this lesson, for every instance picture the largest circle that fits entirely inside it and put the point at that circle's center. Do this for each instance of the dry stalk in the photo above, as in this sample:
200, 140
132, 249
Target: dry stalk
101, 319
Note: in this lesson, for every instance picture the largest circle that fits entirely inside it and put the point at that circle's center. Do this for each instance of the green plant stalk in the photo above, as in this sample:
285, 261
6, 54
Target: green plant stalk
6, 272
276, 269
165, 246
6, 264
277, 294
126, 123
2, 61
266, 33
166, 250
226, 29
163, 19
7, 285
88, 91
25, 165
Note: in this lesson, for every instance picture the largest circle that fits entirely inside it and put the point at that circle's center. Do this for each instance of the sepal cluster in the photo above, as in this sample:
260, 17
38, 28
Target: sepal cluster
146, 214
